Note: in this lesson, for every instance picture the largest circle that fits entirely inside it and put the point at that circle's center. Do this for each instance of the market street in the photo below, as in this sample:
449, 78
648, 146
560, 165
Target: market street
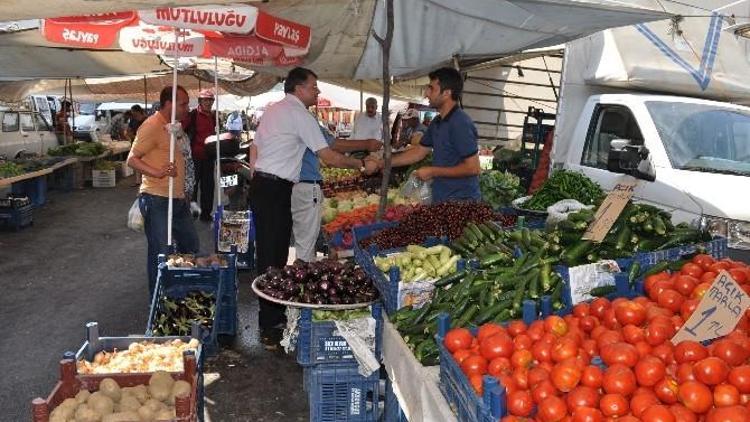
78, 263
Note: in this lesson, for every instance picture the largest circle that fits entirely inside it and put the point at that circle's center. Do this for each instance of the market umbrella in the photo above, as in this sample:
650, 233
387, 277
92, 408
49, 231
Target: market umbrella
235, 32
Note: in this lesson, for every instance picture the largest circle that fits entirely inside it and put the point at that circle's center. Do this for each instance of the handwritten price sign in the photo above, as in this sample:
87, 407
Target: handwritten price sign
610, 209
718, 312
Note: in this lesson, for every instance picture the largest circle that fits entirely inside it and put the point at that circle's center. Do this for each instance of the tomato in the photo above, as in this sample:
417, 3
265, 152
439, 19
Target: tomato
522, 342
717, 267
689, 351
498, 366
507, 381
665, 352
708, 277
587, 414
614, 405
541, 352
536, 375
543, 390
685, 284
552, 409
666, 390
688, 307
658, 332
711, 371
630, 313
619, 379
692, 270
592, 376
695, 396
582, 396
729, 414
670, 299
520, 403
726, 395
489, 329
633, 334
682, 414
457, 338
740, 377
730, 352
649, 371
609, 319
659, 287
476, 383
536, 330
521, 377
556, 325
651, 280
516, 327
562, 349
588, 323
657, 413
582, 309
598, 306
521, 359
589, 346
461, 354
739, 275
700, 290
474, 365
685, 372
640, 402
623, 353
498, 345
703, 260
565, 377
608, 337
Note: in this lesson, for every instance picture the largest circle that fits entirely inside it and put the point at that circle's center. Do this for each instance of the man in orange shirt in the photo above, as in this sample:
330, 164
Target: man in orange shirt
150, 156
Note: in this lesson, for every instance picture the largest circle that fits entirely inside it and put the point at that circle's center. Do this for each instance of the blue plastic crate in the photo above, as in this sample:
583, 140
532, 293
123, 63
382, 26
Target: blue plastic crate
207, 278
95, 344
716, 248
361, 233
317, 344
392, 410
338, 393
209, 338
457, 389
17, 218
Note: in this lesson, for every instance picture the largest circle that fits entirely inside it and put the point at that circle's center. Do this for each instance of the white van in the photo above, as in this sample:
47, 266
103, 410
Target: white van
24, 131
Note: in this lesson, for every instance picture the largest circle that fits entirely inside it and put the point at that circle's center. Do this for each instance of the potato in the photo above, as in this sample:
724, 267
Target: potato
160, 385
129, 402
166, 414
121, 417
100, 402
179, 388
140, 392
84, 413
82, 396
110, 388
154, 405
146, 413
62, 413
70, 403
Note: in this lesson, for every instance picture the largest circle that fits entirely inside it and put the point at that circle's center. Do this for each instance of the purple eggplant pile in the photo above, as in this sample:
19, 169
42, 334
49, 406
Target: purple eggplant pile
327, 282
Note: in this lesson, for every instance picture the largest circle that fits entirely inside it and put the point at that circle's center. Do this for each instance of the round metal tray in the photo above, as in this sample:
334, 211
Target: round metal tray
331, 307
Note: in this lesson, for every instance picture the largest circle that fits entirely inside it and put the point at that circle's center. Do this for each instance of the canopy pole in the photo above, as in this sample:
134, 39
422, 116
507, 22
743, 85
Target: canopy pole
170, 205
145, 95
218, 142
385, 44
361, 97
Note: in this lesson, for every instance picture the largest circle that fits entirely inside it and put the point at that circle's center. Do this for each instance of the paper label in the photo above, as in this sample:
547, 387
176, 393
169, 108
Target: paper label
610, 209
718, 312
583, 278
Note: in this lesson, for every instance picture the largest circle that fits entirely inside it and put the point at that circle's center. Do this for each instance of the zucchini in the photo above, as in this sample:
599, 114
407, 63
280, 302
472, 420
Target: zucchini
450, 279
572, 255
659, 227
467, 316
488, 234
493, 259
475, 231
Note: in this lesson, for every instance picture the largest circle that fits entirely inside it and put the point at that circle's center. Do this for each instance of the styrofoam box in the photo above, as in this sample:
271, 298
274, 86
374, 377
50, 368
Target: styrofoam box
103, 178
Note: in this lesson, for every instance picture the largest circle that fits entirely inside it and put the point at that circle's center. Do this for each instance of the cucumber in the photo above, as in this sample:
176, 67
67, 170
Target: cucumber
450, 279
489, 234
467, 316
475, 231
659, 227
493, 259
575, 253
633, 273
602, 290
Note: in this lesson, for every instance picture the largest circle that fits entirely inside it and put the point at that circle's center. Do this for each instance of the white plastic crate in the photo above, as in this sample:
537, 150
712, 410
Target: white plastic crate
103, 178
123, 170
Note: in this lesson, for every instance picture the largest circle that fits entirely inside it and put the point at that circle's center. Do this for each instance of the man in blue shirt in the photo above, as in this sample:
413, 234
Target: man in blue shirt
452, 137
307, 196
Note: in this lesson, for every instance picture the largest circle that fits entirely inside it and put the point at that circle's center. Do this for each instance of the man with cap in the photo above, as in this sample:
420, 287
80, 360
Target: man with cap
412, 129
200, 124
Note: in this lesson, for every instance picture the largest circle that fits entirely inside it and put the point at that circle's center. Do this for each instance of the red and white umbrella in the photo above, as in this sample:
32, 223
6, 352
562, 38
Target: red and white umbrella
238, 32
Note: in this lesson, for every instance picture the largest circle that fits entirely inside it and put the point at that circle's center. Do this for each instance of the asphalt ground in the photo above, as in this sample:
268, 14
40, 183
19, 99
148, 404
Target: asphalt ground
79, 263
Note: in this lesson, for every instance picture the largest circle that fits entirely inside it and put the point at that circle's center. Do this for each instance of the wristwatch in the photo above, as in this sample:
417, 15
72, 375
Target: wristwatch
362, 168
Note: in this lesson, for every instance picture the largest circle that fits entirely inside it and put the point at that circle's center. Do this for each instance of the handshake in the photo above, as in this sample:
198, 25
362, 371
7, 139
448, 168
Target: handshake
372, 165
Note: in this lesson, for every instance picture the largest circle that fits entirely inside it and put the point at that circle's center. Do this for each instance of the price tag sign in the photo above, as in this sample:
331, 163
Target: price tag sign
228, 181
718, 312
610, 209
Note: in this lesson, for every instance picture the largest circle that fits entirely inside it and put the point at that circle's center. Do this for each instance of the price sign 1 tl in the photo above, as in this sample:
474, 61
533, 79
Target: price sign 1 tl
717, 313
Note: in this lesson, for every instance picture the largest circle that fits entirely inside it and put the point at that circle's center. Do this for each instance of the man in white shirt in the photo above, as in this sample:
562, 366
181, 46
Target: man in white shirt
368, 125
285, 131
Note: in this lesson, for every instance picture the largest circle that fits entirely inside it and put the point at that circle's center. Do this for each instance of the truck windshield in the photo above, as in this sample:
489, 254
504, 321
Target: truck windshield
703, 137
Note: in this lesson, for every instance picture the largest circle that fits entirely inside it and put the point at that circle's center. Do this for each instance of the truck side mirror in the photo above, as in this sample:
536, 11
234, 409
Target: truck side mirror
630, 159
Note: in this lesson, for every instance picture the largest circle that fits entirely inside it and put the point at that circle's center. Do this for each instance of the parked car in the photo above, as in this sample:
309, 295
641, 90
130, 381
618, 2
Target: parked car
24, 131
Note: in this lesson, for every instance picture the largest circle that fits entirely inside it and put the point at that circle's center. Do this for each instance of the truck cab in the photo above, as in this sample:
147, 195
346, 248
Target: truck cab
692, 156
24, 132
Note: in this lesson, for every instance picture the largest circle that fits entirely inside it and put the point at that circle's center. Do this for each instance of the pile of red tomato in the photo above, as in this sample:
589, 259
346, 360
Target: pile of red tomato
547, 370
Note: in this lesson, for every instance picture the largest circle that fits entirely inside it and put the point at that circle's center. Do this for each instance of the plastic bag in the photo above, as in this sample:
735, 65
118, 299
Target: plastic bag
360, 335
135, 218
417, 190
560, 210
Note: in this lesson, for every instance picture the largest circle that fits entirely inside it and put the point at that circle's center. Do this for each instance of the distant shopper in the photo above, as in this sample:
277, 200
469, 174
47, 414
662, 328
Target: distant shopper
150, 156
118, 126
427, 119
452, 137
200, 124
137, 117
62, 127
234, 123
412, 129
368, 125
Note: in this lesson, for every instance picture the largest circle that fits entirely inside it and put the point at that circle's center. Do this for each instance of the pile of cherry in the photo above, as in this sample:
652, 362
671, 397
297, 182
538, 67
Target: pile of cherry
550, 374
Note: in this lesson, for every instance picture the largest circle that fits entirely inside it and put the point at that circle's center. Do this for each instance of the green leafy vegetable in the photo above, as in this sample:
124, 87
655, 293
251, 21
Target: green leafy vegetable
499, 188
565, 184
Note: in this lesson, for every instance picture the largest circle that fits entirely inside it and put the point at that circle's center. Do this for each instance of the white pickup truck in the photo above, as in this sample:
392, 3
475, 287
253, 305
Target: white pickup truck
658, 101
